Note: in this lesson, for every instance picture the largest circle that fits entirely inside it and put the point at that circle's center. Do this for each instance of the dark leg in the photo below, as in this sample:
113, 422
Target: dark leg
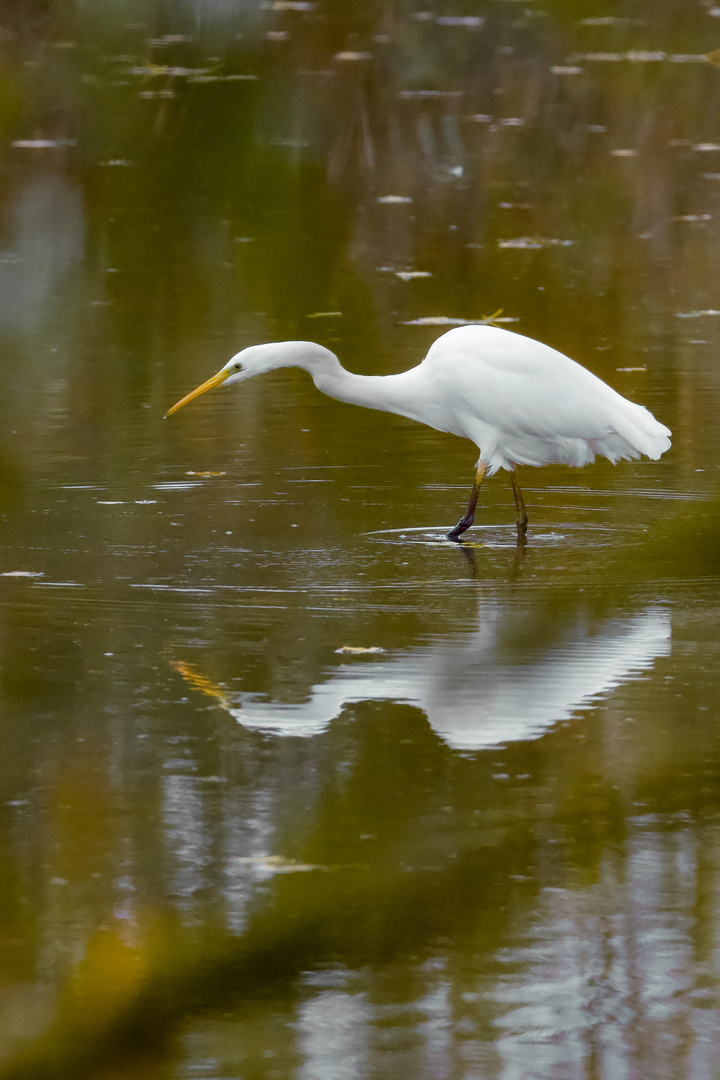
522, 518
467, 519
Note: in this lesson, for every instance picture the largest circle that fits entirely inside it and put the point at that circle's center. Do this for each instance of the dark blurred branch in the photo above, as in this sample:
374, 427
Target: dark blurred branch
314, 917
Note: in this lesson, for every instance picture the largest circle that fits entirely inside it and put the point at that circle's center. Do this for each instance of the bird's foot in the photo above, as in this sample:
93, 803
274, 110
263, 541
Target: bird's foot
461, 527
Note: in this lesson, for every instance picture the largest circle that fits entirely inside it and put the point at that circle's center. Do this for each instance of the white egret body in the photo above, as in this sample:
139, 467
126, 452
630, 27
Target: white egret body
519, 401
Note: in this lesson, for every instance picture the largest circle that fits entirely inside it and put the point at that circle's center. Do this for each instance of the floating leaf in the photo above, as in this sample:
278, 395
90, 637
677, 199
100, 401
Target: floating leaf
643, 57
156, 70
533, 242
359, 650
472, 22
287, 5
200, 682
42, 144
604, 20
447, 320
170, 39
634, 56
431, 93
222, 78
277, 863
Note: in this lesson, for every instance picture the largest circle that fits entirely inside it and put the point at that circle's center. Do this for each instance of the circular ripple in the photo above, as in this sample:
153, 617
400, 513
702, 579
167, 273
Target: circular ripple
501, 536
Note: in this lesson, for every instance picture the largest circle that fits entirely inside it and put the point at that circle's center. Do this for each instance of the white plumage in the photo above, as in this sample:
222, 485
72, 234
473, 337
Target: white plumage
523, 403
519, 401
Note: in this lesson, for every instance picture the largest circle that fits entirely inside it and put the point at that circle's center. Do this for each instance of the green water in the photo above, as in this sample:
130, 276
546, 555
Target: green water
490, 846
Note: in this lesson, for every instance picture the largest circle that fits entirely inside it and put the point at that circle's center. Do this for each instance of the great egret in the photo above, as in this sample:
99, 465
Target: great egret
519, 401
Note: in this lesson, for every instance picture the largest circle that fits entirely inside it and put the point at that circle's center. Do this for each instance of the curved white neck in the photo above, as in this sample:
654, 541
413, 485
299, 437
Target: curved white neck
406, 393
389, 393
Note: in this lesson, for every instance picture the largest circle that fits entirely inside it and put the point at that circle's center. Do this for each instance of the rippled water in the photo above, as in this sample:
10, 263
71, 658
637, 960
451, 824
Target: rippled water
251, 693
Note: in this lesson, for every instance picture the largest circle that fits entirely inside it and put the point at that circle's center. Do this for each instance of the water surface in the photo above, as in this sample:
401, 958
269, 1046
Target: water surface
244, 675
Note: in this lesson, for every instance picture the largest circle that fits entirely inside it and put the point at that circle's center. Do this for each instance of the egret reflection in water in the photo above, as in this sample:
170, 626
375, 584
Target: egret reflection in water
473, 694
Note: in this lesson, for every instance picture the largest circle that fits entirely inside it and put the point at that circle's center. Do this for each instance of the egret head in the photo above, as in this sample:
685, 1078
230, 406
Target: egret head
256, 360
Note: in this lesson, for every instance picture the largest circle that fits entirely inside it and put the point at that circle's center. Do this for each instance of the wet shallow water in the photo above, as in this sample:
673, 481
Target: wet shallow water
244, 674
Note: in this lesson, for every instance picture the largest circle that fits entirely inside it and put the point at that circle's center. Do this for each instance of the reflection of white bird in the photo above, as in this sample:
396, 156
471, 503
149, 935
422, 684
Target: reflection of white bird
476, 690
519, 401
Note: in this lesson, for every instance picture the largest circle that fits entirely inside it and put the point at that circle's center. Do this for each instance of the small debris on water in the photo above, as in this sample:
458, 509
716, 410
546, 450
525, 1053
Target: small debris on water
277, 863
533, 242
287, 5
447, 320
471, 22
359, 650
352, 56
431, 93
170, 39
604, 20
42, 144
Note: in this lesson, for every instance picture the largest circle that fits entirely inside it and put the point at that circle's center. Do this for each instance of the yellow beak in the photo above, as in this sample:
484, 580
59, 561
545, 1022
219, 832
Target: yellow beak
217, 380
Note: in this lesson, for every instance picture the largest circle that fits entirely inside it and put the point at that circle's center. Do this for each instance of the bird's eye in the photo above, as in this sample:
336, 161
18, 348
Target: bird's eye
238, 367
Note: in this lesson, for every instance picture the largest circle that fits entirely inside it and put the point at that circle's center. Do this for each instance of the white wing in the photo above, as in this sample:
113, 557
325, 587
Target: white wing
523, 402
